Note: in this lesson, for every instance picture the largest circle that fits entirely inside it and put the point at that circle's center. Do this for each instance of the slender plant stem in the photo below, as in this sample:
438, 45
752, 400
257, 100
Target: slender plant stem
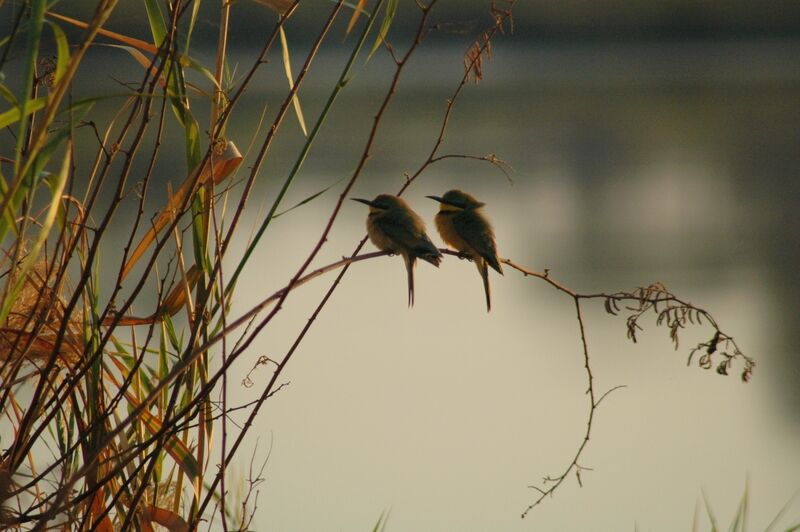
344, 78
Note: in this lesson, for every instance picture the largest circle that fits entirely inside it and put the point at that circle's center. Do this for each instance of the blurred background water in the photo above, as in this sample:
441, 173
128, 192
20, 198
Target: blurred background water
649, 143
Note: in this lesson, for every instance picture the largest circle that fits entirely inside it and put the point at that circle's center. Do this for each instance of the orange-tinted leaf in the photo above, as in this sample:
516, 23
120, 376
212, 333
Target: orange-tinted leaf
166, 518
104, 525
171, 304
219, 167
176, 299
126, 321
131, 41
358, 10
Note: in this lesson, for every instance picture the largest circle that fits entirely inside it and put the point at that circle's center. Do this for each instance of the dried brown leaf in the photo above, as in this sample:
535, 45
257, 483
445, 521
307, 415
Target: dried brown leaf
217, 168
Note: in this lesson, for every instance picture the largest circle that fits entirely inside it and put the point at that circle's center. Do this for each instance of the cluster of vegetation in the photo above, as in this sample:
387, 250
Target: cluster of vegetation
108, 417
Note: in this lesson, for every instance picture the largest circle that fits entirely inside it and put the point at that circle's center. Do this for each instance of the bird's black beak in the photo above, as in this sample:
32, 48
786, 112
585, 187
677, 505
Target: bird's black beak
436, 198
364, 201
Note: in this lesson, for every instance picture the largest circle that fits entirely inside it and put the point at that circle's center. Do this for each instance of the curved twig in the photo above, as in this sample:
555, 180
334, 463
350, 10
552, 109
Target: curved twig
674, 313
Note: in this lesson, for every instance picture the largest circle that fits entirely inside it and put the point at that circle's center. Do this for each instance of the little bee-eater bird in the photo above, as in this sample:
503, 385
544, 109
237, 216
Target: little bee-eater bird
463, 226
392, 226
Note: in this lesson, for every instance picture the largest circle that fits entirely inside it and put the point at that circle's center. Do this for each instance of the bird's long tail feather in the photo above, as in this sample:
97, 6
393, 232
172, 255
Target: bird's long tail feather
410, 268
483, 269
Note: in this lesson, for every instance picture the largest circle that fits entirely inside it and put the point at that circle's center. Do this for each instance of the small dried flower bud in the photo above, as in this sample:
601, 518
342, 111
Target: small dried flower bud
219, 145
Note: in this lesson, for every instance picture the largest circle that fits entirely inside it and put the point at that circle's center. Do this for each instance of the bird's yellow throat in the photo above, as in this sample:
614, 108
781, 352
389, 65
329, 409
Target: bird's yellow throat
446, 207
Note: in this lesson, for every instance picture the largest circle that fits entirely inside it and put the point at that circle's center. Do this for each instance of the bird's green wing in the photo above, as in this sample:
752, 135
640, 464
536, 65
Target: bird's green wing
397, 227
476, 230
407, 232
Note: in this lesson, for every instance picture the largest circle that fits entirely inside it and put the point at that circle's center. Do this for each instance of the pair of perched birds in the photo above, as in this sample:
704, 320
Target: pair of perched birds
394, 227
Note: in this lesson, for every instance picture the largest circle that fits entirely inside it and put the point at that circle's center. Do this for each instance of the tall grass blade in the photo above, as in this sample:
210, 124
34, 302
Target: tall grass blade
62, 51
192, 24
36, 168
76, 113
740, 521
782, 511
22, 111
179, 452
309, 198
287, 67
710, 513
158, 28
7, 95
386, 24
32, 53
380, 525
57, 188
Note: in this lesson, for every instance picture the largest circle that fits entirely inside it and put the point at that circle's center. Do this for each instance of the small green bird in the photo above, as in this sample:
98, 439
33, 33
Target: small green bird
392, 226
463, 226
